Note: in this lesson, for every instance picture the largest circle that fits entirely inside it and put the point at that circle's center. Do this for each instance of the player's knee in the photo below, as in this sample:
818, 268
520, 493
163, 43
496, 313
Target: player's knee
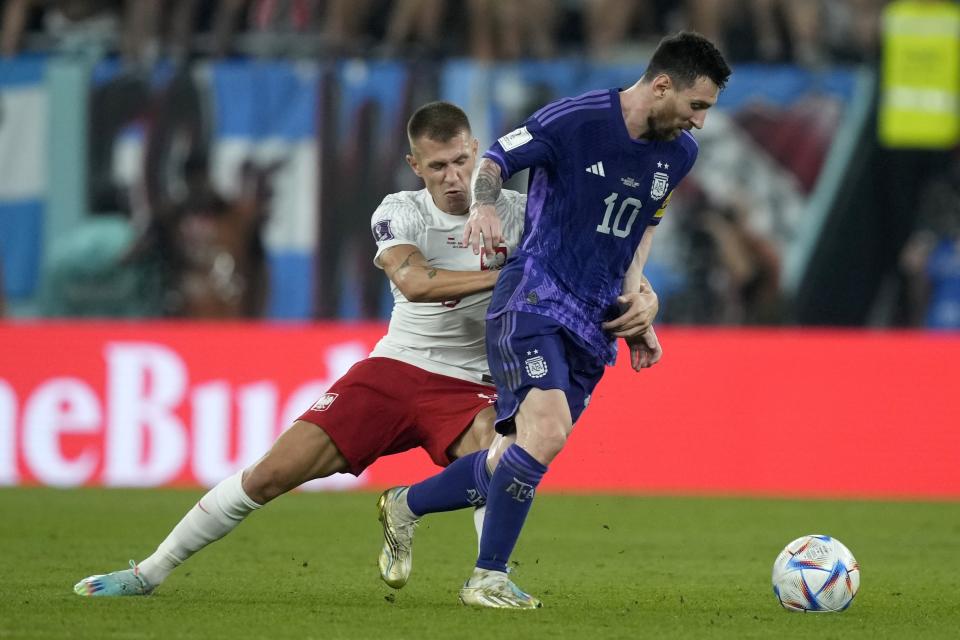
545, 439
552, 443
264, 482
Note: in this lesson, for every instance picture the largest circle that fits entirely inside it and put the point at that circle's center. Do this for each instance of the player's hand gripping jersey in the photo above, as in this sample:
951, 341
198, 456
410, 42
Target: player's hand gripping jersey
593, 191
441, 337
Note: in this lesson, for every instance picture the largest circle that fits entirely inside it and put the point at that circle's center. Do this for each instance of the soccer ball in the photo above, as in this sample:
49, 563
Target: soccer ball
815, 573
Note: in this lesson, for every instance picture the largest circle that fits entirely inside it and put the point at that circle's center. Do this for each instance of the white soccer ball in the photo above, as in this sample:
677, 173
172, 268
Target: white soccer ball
816, 573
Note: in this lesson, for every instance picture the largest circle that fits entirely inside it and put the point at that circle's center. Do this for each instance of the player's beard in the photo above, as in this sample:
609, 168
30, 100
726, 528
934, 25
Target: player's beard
659, 133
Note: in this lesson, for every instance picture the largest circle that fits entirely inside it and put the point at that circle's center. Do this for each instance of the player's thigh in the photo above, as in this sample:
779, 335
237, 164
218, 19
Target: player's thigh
479, 435
370, 411
303, 452
530, 352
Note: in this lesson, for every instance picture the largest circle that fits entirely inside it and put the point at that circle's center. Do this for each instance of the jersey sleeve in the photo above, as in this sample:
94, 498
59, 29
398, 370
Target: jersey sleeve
693, 150
530, 145
690, 144
396, 221
658, 216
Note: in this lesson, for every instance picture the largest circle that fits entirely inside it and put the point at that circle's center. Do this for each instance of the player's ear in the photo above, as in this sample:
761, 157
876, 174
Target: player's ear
412, 161
661, 84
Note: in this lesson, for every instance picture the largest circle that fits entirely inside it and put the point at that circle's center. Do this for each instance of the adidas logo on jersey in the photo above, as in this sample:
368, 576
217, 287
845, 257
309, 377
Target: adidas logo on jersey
596, 169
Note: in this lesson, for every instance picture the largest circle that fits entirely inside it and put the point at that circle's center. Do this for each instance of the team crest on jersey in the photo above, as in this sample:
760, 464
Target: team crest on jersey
514, 139
324, 402
496, 261
536, 366
661, 182
381, 231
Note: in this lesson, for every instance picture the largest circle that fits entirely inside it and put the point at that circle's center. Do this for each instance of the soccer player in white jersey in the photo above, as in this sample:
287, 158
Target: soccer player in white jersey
426, 383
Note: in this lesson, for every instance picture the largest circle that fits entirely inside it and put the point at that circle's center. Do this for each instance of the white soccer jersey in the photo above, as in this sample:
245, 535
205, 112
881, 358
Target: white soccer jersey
440, 337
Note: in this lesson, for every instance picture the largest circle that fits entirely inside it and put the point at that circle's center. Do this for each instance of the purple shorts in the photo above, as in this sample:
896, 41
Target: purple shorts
529, 351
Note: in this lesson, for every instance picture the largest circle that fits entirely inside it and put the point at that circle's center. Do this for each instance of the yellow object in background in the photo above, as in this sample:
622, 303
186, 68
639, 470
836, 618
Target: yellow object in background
920, 83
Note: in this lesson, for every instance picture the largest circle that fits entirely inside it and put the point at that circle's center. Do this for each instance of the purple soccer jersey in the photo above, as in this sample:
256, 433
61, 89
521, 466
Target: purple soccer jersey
593, 191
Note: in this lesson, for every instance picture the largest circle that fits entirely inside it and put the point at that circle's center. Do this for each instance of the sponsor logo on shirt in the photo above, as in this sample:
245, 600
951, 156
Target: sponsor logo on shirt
596, 169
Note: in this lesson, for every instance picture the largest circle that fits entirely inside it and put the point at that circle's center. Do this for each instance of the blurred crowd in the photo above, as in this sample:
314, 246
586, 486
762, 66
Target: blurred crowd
205, 253
930, 259
807, 32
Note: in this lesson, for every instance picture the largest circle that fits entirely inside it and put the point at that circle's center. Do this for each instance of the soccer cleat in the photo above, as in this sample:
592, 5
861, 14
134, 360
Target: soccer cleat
119, 583
494, 589
396, 556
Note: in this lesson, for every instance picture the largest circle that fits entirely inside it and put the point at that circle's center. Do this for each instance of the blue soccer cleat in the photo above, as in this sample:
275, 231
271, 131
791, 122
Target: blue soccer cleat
128, 582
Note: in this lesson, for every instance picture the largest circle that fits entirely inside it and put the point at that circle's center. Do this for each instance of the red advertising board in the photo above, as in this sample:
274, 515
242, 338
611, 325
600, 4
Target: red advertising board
777, 412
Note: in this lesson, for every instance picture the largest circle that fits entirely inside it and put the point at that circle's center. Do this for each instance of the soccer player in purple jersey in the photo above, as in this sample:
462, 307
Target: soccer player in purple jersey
602, 168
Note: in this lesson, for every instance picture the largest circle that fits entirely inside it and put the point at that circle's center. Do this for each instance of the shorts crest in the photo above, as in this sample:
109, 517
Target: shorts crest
536, 366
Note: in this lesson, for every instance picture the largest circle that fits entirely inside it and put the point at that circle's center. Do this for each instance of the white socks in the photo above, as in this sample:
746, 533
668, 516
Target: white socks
214, 516
405, 515
478, 515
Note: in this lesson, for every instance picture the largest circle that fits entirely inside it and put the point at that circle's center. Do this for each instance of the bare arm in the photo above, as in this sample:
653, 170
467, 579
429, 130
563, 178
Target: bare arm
484, 220
638, 301
419, 281
486, 188
634, 280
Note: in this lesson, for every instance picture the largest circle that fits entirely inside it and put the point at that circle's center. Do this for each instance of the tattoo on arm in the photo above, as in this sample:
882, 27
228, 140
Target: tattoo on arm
432, 272
487, 187
405, 264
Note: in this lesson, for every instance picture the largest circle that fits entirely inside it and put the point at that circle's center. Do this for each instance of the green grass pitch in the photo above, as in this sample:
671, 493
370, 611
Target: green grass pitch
605, 567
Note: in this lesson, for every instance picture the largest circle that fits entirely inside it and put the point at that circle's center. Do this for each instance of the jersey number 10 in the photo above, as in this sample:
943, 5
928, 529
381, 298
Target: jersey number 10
629, 203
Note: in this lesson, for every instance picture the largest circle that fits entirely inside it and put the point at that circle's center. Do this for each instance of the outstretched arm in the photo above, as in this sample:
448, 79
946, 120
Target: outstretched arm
484, 220
419, 281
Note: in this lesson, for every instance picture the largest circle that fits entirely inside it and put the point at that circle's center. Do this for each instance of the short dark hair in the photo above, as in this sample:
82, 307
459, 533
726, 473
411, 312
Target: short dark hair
685, 57
438, 121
